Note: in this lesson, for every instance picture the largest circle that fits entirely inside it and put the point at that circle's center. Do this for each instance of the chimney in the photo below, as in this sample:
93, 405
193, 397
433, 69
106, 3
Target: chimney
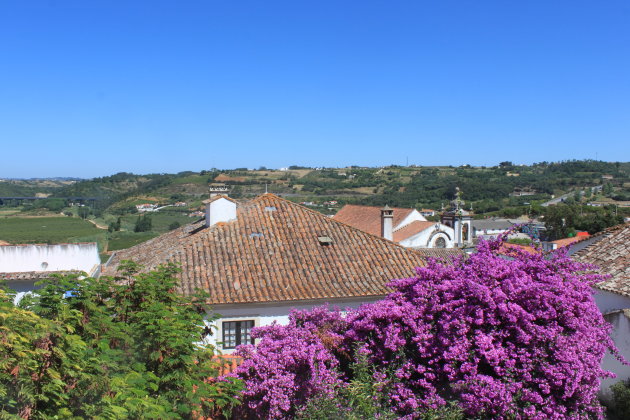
219, 190
220, 208
387, 223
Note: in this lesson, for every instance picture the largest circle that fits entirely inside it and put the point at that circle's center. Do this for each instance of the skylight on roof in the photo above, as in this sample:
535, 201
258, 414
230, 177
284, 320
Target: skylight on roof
325, 240
270, 208
255, 235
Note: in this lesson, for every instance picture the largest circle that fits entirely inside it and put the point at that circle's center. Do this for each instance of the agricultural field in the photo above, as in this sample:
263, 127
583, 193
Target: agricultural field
123, 240
19, 230
160, 221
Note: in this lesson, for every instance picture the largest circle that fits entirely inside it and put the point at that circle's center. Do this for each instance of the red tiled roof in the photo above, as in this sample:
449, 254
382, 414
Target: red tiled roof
611, 254
368, 218
561, 243
446, 254
33, 275
271, 253
411, 229
507, 247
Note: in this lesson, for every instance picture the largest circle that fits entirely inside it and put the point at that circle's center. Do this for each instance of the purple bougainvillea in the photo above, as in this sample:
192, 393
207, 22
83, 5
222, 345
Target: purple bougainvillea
503, 338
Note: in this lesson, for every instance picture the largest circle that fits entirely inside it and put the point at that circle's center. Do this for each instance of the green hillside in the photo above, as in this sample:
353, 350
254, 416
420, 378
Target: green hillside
505, 190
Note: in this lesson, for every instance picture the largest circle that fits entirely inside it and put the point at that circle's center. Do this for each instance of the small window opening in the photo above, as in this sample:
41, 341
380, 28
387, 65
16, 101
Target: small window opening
325, 240
236, 333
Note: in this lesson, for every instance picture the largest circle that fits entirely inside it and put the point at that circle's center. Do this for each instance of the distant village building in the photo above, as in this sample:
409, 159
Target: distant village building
259, 259
490, 228
427, 212
146, 207
408, 227
21, 266
609, 203
518, 192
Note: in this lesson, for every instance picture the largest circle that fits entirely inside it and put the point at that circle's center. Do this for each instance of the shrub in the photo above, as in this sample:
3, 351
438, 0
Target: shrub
494, 337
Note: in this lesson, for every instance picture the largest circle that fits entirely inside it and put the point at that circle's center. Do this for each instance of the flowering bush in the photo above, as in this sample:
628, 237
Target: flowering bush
289, 366
503, 338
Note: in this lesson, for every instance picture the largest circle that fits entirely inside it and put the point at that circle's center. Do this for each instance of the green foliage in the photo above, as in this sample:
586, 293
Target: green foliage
124, 347
620, 407
174, 225
114, 226
124, 240
84, 212
562, 221
366, 398
520, 241
143, 224
52, 204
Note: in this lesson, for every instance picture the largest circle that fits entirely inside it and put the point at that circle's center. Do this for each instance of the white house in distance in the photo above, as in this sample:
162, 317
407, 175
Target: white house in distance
21, 266
408, 227
610, 251
261, 258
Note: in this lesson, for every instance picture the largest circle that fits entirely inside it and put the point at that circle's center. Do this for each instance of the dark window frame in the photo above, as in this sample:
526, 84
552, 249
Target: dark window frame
238, 328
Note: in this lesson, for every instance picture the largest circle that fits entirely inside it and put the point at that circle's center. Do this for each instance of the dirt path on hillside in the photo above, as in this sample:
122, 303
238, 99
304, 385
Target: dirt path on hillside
96, 224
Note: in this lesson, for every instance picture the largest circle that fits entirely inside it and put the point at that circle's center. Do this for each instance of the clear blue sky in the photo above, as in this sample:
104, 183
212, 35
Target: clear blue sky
90, 88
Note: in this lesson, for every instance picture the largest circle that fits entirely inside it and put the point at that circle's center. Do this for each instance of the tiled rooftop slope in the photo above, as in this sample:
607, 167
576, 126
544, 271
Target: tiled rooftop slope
272, 253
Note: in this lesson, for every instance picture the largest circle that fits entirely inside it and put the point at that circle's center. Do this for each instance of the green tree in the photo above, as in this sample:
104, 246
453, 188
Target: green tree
143, 224
123, 347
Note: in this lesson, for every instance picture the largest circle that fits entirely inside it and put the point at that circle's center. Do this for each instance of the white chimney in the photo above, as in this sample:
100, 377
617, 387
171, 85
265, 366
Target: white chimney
220, 209
387, 223
219, 190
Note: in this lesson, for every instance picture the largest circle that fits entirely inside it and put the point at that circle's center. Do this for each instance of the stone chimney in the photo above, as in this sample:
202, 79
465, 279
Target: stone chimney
219, 208
219, 190
387, 223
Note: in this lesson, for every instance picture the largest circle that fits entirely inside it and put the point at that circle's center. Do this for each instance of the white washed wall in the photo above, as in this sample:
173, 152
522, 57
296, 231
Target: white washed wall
21, 258
267, 314
220, 210
415, 215
609, 303
426, 238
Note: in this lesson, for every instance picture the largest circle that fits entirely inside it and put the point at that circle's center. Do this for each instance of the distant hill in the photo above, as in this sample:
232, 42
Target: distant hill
487, 188
31, 187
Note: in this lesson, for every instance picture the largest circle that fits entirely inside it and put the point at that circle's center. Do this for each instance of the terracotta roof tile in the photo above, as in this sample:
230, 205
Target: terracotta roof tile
561, 243
368, 218
275, 255
612, 255
446, 254
33, 275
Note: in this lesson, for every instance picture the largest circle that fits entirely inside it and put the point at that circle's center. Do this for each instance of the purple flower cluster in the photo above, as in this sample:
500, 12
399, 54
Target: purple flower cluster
289, 366
504, 338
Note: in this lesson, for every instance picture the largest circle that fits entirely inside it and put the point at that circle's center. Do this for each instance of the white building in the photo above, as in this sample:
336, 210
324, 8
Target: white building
408, 227
610, 251
261, 258
21, 266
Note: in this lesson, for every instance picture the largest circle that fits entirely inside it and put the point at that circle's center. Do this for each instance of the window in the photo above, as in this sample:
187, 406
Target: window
440, 243
236, 333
